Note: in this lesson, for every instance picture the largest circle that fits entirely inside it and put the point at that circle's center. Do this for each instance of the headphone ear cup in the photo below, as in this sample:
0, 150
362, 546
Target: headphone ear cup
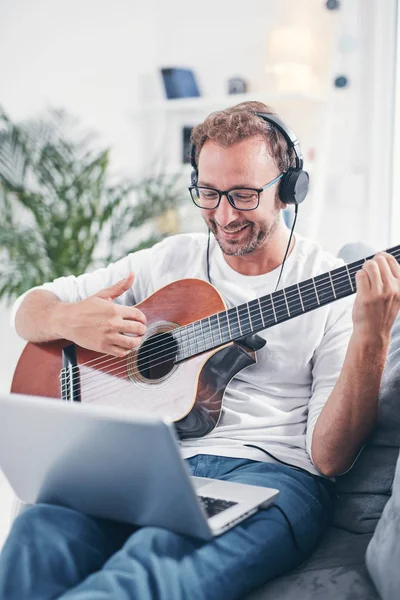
294, 186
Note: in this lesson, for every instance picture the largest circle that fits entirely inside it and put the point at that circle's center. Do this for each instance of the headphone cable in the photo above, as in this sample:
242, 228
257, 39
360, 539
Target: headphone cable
208, 256
296, 207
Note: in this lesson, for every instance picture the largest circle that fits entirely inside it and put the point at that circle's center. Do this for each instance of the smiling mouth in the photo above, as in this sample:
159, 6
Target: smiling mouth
232, 233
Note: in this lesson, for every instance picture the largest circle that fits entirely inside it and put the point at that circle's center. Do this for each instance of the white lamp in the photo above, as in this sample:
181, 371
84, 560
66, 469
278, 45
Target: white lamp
292, 55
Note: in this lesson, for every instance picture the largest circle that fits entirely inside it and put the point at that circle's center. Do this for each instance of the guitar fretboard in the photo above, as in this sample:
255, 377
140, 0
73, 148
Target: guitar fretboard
267, 311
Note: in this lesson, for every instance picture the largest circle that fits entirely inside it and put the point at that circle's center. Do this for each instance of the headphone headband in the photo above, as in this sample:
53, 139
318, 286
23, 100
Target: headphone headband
293, 186
287, 133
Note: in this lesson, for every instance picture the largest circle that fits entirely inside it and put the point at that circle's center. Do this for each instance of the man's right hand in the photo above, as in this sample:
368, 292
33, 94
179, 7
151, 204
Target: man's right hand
97, 323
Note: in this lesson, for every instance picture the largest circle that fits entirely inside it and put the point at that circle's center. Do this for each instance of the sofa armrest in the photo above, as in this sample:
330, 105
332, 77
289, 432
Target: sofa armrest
383, 552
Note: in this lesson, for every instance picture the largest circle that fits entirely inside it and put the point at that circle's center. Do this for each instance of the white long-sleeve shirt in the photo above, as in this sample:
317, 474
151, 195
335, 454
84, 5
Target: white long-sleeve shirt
273, 404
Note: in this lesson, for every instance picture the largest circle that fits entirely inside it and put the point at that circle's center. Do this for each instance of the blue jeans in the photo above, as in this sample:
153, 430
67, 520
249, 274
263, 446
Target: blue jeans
55, 552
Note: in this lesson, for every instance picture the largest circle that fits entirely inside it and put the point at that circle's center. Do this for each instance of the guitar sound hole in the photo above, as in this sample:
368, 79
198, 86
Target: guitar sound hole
156, 357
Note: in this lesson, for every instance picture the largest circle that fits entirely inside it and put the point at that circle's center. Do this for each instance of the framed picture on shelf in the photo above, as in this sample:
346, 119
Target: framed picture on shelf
179, 83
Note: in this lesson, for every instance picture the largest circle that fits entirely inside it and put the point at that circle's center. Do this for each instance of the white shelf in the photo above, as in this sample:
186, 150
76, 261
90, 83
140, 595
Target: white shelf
205, 103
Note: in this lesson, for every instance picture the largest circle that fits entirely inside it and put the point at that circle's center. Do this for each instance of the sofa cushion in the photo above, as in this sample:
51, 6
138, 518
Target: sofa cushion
383, 554
335, 570
336, 583
365, 489
337, 548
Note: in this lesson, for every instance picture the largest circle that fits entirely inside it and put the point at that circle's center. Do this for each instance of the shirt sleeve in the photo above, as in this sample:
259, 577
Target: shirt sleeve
328, 360
74, 289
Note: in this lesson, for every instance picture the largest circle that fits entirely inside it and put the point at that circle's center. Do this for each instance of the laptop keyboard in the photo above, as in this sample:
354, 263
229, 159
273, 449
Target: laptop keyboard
213, 506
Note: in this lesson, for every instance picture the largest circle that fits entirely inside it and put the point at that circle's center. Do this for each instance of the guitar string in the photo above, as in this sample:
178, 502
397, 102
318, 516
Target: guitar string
133, 371
126, 377
191, 337
254, 312
305, 295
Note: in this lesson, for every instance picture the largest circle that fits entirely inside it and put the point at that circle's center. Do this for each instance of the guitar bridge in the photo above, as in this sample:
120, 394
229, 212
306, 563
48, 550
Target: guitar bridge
70, 389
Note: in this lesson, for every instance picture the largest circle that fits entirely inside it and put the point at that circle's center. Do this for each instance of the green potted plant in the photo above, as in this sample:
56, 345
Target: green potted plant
61, 212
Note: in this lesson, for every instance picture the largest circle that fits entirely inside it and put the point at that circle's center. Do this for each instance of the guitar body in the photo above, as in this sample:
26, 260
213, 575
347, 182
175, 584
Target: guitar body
189, 392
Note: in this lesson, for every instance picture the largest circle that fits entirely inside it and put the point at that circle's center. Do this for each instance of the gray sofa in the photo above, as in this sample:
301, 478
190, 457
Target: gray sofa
338, 569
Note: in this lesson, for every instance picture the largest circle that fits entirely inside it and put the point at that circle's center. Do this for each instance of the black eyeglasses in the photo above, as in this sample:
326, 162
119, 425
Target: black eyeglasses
240, 198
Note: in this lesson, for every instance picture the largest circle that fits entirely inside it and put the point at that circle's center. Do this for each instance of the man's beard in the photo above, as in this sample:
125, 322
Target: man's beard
256, 235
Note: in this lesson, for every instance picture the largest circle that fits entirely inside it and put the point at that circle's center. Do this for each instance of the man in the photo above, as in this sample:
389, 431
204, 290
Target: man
292, 421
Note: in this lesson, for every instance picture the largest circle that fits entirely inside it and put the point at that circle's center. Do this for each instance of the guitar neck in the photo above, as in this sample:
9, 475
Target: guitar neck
267, 311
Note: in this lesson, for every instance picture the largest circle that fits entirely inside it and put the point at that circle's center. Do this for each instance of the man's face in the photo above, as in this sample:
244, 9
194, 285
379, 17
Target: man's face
243, 165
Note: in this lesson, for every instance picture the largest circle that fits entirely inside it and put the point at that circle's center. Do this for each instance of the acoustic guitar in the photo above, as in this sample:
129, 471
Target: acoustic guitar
192, 349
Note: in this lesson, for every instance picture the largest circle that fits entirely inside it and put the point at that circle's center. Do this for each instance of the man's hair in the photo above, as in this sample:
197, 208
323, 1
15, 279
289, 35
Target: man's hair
237, 123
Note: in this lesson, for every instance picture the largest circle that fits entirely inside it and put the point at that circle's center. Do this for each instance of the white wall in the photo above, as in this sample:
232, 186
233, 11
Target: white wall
82, 56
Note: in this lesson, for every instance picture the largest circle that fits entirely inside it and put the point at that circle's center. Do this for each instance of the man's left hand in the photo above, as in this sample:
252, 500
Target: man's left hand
377, 300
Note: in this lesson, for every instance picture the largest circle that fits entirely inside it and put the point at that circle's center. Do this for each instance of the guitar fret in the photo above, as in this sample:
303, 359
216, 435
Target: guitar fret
261, 313
198, 336
229, 326
202, 334
273, 308
343, 285
195, 339
309, 295
257, 322
248, 311
326, 292
175, 335
225, 326
188, 339
219, 328
220, 323
215, 328
266, 311
182, 343
238, 318
316, 293
206, 332
333, 288
185, 340
234, 326
211, 332
348, 275
245, 319
281, 309
287, 305
294, 301
301, 299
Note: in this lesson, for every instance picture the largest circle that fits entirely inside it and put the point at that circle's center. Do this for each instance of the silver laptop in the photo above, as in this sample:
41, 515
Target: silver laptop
107, 463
